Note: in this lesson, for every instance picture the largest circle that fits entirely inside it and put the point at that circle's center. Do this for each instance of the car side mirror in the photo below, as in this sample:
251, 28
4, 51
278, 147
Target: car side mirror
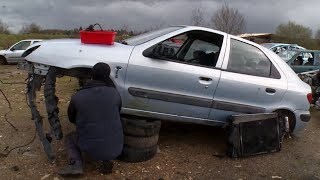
159, 51
150, 52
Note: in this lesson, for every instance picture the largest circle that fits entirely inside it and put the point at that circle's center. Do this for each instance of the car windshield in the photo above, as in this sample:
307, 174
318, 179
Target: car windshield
287, 54
145, 37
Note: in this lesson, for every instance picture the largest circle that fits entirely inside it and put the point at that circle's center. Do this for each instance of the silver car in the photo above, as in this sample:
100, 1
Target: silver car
204, 76
13, 54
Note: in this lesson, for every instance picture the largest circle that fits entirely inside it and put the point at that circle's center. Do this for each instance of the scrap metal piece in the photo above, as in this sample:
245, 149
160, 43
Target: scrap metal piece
51, 101
34, 84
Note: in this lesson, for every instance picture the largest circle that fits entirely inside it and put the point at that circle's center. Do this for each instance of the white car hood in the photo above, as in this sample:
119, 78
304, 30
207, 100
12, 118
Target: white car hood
3, 52
71, 53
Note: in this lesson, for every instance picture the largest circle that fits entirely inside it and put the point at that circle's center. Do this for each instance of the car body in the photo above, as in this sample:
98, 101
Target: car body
302, 60
279, 47
13, 54
211, 76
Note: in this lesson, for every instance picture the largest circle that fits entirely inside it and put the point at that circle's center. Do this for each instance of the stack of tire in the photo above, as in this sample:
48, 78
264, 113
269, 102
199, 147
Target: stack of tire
140, 140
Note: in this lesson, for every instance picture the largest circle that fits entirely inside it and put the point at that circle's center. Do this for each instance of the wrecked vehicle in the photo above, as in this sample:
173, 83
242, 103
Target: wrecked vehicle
13, 54
204, 77
302, 60
279, 47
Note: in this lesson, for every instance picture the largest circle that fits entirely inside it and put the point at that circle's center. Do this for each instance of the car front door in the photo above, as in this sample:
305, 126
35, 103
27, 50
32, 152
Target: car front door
178, 82
16, 51
249, 83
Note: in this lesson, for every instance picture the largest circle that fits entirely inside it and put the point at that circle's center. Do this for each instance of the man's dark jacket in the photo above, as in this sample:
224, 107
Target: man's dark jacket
95, 110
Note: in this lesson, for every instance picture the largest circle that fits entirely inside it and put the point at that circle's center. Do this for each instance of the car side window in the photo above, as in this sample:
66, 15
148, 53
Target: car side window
195, 47
21, 46
247, 59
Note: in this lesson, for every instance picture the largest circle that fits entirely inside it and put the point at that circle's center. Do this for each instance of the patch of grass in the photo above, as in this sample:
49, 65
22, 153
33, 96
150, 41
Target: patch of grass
7, 40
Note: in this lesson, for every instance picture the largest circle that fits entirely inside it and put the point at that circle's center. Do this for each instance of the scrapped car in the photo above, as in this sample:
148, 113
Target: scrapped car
13, 54
279, 47
302, 60
205, 78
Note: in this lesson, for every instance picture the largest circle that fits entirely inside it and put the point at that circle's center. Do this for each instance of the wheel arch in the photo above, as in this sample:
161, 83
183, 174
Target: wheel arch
282, 112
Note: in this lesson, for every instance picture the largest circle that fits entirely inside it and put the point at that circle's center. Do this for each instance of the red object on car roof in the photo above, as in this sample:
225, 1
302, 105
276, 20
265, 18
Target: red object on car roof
97, 37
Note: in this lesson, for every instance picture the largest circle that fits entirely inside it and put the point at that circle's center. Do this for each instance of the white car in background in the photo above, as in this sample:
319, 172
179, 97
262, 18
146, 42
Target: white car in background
13, 54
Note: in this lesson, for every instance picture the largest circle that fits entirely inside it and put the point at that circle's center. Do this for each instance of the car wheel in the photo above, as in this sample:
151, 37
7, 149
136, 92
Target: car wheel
140, 128
134, 155
141, 142
3, 61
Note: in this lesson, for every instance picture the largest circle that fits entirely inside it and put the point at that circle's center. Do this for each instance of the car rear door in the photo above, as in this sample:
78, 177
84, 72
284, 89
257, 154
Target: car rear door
250, 82
172, 87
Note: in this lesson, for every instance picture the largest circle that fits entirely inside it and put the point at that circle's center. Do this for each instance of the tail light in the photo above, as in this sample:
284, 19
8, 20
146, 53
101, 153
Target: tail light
309, 96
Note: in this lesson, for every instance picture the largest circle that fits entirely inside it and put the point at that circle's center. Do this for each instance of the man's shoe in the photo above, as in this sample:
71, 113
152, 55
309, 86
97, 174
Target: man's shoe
72, 169
106, 167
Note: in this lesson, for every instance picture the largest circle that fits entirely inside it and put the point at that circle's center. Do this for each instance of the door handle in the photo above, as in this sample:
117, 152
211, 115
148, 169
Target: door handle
205, 79
270, 90
117, 70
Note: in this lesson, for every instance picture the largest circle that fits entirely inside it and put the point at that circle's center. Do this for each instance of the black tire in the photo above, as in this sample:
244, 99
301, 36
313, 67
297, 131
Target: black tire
134, 155
141, 142
3, 61
140, 128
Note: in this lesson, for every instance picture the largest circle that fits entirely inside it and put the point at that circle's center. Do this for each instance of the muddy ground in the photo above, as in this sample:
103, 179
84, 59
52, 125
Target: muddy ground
186, 151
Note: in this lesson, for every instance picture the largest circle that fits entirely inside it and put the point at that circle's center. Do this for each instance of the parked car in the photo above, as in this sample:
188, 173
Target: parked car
211, 75
279, 47
302, 60
13, 54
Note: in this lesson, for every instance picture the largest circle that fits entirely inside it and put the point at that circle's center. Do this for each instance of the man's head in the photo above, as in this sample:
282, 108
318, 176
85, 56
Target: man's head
100, 71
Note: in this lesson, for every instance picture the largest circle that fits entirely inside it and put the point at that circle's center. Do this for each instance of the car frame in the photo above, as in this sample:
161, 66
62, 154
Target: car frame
12, 55
158, 85
279, 47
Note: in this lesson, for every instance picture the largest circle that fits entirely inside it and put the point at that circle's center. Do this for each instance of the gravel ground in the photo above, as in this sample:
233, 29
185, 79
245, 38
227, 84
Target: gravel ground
186, 151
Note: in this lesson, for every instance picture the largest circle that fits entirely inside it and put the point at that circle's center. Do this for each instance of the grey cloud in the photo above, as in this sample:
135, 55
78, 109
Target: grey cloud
261, 16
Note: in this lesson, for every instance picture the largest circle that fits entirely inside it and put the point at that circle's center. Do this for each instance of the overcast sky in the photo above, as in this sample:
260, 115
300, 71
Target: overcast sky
260, 15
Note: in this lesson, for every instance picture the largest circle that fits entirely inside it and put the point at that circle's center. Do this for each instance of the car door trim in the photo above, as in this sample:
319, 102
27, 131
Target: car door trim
195, 101
170, 97
235, 107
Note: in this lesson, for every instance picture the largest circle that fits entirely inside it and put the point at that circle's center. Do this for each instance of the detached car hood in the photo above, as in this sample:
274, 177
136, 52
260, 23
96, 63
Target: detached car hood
71, 53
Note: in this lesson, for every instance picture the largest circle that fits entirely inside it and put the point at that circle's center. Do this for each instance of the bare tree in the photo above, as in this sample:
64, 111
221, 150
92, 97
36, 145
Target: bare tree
31, 28
197, 17
318, 34
229, 20
4, 28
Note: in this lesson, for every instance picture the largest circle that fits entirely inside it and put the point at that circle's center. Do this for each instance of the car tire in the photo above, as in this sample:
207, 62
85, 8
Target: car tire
3, 61
141, 142
134, 155
140, 128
